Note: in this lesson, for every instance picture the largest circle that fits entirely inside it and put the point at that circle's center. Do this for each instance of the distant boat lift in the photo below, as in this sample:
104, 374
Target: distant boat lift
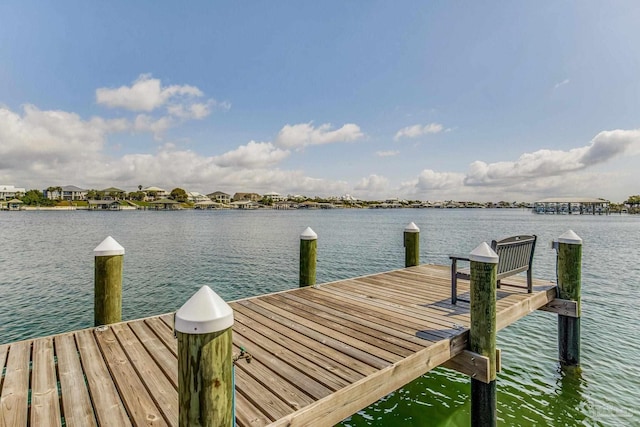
572, 206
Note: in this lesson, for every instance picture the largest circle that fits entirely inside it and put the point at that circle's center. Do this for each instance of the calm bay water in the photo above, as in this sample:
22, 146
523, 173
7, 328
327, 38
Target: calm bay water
46, 287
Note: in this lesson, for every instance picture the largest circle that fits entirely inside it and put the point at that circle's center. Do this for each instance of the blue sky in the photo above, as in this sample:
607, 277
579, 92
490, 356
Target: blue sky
416, 100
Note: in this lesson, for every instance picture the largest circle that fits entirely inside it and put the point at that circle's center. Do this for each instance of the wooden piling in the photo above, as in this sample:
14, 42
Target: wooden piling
411, 245
107, 302
482, 336
308, 254
569, 280
205, 361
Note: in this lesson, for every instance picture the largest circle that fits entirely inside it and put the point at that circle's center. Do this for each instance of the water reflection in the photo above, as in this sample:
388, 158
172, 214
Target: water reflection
567, 405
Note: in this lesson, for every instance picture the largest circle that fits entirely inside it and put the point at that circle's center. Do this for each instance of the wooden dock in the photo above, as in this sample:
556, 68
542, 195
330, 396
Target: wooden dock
319, 354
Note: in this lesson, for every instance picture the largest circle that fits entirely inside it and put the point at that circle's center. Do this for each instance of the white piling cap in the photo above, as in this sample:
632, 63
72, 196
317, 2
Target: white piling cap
108, 247
308, 234
203, 313
412, 228
484, 253
570, 237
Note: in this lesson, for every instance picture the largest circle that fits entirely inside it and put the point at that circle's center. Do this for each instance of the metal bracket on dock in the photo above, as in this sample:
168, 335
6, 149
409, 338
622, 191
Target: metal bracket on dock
562, 306
473, 364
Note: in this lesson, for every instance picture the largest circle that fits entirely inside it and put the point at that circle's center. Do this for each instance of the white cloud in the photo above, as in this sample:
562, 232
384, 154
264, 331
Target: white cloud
171, 167
54, 136
432, 180
41, 148
418, 130
251, 156
145, 94
304, 134
562, 83
373, 183
542, 163
196, 110
390, 153
534, 175
156, 126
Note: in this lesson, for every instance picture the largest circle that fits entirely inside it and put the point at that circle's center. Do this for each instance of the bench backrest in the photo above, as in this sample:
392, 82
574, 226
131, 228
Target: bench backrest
515, 254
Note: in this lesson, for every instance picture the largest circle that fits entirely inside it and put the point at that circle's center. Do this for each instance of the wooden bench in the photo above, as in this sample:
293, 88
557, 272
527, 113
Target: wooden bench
515, 255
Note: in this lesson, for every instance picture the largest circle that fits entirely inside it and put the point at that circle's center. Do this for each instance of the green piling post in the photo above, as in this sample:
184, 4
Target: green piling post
482, 336
569, 279
205, 361
411, 245
308, 254
107, 301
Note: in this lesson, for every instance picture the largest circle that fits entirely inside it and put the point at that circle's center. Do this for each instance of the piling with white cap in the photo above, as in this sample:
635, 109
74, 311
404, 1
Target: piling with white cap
569, 284
411, 245
205, 361
308, 255
107, 302
482, 335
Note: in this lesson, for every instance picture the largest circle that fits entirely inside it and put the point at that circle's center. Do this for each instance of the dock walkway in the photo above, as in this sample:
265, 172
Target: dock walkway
319, 354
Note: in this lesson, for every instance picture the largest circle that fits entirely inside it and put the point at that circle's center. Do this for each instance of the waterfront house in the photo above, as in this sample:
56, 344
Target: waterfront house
71, 193
68, 192
10, 192
194, 196
275, 197
155, 193
220, 197
254, 197
113, 193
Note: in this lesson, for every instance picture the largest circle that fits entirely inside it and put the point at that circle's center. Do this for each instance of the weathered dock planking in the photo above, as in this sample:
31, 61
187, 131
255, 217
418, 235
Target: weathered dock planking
319, 354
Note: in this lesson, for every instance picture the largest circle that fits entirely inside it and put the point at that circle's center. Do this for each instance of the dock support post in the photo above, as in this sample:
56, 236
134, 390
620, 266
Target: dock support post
569, 278
308, 251
411, 245
482, 336
107, 300
205, 361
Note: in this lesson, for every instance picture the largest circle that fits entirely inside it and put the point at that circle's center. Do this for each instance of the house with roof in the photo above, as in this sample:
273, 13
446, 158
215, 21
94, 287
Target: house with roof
68, 192
220, 197
254, 197
195, 197
113, 193
155, 193
9, 192
275, 197
71, 192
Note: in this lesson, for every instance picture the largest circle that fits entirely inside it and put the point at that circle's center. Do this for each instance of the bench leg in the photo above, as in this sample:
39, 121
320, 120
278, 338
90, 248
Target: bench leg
454, 282
529, 281
498, 284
